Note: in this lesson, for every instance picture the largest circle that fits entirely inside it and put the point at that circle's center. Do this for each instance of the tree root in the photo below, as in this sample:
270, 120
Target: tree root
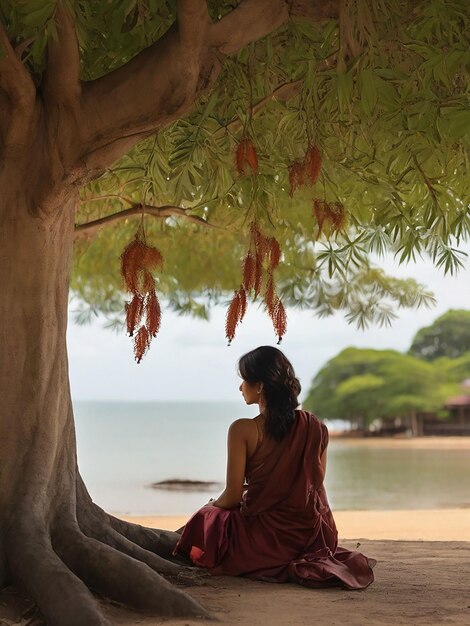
93, 527
58, 566
128, 537
62, 597
122, 578
161, 542
157, 541
180, 573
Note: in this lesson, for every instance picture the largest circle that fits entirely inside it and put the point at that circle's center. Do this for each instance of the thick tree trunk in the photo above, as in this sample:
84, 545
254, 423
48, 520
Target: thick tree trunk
55, 543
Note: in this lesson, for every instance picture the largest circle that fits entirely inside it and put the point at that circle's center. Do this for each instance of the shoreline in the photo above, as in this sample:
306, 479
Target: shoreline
396, 525
403, 443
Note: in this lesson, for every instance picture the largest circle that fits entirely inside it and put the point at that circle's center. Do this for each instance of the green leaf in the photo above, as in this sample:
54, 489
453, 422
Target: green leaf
454, 124
344, 84
368, 91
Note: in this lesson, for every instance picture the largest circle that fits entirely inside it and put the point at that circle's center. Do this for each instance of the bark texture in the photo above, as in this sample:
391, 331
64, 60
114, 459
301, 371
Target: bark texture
55, 542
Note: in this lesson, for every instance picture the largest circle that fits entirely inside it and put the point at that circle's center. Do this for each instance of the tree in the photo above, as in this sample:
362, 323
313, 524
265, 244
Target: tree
454, 370
360, 396
448, 336
112, 110
361, 385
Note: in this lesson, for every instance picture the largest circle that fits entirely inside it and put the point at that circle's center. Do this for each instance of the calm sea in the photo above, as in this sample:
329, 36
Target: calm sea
125, 447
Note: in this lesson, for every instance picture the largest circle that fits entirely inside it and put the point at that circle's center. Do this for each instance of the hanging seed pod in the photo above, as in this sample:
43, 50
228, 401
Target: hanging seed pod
233, 317
246, 155
147, 282
320, 209
136, 262
240, 157
280, 321
152, 258
296, 176
260, 242
134, 312
141, 343
337, 216
249, 268
251, 156
132, 262
312, 164
274, 250
264, 255
258, 275
270, 297
306, 171
153, 313
243, 302
332, 213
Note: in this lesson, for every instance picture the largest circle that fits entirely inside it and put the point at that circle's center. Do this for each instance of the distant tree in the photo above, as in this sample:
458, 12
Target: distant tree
360, 396
448, 336
454, 370
360, 385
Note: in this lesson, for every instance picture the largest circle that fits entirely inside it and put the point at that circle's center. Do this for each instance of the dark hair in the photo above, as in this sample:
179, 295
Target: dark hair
270, 366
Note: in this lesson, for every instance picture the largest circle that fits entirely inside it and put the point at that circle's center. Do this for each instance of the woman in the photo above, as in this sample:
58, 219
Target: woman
278, 525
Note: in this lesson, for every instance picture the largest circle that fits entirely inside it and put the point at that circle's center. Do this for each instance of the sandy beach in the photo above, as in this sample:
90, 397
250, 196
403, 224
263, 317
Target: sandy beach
404, 442
400, 525
422, 583
416, 583
423, 580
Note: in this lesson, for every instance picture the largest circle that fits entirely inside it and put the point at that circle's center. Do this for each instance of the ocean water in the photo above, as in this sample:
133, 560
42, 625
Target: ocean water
125, 447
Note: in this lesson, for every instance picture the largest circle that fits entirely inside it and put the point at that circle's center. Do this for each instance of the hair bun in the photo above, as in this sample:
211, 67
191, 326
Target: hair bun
293, 384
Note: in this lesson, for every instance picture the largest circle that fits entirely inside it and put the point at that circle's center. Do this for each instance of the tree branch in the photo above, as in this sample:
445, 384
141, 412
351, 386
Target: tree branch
133, 101
137, 210
283, 92
160, 85
313, 10
254, 19
193, 24
62, 76
251, 20
15, 79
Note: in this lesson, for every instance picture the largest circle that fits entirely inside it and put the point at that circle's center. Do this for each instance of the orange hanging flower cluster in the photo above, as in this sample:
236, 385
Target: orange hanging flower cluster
246, 155
306, 171
137, 262
264, 255
331, 213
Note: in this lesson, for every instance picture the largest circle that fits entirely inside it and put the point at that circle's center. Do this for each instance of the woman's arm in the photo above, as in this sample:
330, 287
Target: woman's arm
323, 462
237, 440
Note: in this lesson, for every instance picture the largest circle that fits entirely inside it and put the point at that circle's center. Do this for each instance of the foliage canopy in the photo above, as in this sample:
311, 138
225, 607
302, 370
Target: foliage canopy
361, 385
381, 90
448, 336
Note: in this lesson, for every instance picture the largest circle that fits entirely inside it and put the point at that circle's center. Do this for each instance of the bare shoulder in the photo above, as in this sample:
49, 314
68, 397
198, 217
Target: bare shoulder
242, 426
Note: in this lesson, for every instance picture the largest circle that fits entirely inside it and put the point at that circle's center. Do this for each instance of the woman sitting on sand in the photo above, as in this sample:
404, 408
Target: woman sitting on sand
277, 526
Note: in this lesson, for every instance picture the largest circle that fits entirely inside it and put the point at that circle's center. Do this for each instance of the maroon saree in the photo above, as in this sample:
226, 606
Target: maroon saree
283, 529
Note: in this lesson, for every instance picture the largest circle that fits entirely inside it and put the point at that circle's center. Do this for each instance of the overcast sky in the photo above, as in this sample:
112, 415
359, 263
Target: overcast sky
190, 360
